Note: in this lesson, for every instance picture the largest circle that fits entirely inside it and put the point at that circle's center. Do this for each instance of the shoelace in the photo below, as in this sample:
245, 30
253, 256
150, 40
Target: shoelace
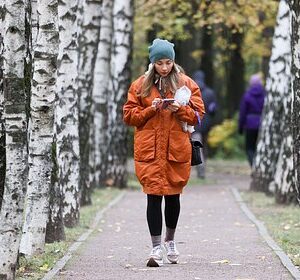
172, 245
155, 250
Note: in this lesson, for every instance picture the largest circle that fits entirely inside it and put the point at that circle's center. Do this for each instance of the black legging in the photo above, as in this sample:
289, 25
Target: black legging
154, 213
251, 139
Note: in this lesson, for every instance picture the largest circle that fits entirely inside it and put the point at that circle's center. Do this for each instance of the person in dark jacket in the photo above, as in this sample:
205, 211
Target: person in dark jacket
251, 107
210, 103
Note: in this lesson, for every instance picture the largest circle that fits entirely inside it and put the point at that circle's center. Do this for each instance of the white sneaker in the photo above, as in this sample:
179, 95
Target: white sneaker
156, 257
172, 252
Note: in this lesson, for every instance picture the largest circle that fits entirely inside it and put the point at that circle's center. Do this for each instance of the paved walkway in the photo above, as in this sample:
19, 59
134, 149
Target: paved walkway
215, 238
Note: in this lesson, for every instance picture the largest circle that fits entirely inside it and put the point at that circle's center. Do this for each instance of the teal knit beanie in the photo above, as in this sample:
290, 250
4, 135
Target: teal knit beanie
161, 49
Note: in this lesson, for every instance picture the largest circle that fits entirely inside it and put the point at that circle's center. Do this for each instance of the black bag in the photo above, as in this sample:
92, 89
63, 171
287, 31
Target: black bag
196, 146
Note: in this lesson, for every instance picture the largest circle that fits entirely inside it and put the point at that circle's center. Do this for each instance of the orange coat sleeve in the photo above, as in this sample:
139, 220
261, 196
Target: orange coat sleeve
187, 113
134, 113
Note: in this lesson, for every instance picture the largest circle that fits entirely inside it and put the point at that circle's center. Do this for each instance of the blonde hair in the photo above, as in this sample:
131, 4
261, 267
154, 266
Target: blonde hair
172, 80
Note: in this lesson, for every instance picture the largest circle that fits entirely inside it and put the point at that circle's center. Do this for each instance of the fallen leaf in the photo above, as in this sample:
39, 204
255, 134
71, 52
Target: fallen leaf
221, 261
287, 227
21, 269
44, 267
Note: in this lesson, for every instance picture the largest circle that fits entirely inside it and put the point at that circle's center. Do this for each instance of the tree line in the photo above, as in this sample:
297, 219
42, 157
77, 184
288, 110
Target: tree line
277, 161
65, 71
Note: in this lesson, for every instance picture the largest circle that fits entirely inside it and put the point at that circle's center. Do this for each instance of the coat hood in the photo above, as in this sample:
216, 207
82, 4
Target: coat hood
256, 90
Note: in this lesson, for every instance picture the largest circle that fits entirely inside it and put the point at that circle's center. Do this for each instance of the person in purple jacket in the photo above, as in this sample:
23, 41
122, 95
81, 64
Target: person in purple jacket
251, 107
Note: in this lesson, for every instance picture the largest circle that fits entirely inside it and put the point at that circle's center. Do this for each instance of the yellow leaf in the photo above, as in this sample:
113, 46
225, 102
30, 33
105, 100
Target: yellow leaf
44, 267
21, 269
287, 227
222, 261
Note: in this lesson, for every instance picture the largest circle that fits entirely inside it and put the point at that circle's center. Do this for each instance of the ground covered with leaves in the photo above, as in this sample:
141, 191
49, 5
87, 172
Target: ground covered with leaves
282, 222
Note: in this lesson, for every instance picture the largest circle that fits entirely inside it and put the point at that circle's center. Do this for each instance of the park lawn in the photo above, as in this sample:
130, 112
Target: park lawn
282, 222
36, 267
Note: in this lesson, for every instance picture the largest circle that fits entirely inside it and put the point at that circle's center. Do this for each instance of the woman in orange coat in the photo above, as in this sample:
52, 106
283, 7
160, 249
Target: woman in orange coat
162, 148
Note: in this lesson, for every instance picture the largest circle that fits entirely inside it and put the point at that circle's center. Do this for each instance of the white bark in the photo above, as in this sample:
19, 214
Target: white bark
41, 134
284, 177
101, 80
295, 41
269, 140
34, 22
67, 111
15, 125
88, 43
118, 87
2, 131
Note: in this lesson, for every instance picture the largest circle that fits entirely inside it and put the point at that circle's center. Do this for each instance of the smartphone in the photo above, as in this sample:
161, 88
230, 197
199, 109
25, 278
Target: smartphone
166, 102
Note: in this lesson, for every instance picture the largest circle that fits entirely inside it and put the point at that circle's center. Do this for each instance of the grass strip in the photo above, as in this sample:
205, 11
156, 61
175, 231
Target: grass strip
36, 267
282, 221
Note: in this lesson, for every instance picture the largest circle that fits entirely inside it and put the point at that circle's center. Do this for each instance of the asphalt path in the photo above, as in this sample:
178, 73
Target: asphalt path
215, 238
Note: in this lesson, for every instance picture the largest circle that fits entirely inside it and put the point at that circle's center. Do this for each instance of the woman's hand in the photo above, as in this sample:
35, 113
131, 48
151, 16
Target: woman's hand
156, 103
173, 107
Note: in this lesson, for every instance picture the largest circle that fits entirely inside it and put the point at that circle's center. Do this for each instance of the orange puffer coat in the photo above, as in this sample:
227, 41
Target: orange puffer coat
162, 150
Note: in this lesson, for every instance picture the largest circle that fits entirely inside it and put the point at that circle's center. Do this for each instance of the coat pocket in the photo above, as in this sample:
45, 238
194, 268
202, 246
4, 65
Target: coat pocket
180, 149
144, 145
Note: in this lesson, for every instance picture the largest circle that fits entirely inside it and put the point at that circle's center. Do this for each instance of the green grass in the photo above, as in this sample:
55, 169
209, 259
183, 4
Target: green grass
35, 267
194, 181
133, 183
282, 222
228, 166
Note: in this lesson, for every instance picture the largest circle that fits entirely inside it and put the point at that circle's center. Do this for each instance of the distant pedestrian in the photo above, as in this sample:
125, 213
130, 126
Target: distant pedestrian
251, 107
210, 103
162, 148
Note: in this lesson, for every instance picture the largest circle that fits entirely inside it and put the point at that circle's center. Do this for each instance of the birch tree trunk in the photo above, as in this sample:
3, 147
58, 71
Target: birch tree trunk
11, 215
67, 125
284, 177
101, 80
2, 131
55, 230
34, 22
295, 41
270, 136
88, 43
116, 173
41, 135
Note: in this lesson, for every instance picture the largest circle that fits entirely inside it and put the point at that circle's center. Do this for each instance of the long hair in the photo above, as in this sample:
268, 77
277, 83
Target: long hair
171, 81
